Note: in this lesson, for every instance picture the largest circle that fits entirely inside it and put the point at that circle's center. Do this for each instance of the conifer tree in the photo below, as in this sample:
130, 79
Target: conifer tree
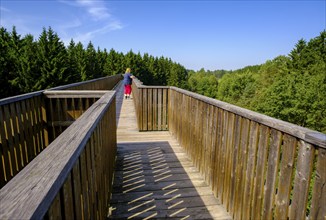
52, 58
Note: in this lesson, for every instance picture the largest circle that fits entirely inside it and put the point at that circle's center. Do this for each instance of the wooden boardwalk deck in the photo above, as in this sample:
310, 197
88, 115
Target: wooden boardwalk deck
154, 178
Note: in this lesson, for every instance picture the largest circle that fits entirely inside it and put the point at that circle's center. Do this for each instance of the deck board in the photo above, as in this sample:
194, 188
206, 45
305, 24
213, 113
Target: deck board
154, 178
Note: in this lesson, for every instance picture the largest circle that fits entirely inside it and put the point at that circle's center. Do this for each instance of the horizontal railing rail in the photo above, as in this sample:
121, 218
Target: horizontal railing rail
103, 83
72, 177
258, 166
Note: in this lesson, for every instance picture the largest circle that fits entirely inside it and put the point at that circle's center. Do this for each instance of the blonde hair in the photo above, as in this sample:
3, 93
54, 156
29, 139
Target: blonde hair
128, 70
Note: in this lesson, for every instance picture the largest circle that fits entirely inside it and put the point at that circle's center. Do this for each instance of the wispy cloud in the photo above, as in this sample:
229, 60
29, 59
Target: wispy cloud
88, 36
99, 15
96, 9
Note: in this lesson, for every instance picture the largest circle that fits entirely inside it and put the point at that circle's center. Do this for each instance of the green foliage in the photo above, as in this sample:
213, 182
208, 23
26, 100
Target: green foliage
27, 65
203, 83
291, 88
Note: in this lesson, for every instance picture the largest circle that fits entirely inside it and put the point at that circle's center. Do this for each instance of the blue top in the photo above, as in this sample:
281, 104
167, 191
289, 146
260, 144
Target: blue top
127, 79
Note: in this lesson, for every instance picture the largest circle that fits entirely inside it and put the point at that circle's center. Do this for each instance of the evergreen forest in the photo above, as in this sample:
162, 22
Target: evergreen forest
28, 64
290, 87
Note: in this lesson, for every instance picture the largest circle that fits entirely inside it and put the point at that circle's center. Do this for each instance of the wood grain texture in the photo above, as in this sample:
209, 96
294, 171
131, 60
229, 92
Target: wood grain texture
35, 187
154, 177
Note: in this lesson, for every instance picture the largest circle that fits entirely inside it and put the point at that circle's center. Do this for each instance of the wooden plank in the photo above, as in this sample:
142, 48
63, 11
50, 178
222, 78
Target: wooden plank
235, 156
318, 207
28, 131
217, 182
140, 109
155, 106
5, 159
240, 172
130, 197
50, 116
34, 106
263, 147
44, 122
84, 184
74, 93
67, 205
144, 110
22, 133
9, 137
55, 209
209, 212
302, 181
209, 143
202, 131
149, 109
165, 115
249, 181
89, 177
271, 175
228, 161
17, 145
159, 109
37, 117
195, 151
77, 190
223, 155
285, 180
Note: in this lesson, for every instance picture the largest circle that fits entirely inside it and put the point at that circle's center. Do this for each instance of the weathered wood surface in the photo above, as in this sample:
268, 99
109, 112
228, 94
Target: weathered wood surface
259, 167
151, 103
23, 133
29, 122
65, 106
103, 83
71, 178
154, 178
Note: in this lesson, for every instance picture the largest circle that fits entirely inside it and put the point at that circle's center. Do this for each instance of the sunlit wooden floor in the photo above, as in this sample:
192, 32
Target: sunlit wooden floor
154, 178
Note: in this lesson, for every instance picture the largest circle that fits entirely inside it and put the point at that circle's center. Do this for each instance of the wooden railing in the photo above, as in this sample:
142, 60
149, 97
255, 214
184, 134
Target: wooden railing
104, 83
29, 122
23, 132
258, 166
71, 178
65, 106
151, 104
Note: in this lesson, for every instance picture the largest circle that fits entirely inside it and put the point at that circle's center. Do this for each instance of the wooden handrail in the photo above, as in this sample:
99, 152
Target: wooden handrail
103, 83
27, 125
151, 104
308, 135
88, 143
258, 166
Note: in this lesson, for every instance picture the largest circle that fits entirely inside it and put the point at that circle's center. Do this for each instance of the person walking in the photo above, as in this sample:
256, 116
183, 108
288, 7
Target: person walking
127, 81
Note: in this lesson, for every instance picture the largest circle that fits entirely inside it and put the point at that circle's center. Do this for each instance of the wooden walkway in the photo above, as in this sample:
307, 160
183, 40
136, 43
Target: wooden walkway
154, 178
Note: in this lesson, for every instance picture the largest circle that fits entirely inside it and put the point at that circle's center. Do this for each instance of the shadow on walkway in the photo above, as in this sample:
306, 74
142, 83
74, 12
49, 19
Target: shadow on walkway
153, 180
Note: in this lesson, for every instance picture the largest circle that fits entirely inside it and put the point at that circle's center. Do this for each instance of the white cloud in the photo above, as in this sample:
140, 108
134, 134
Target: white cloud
88, 36
99, 13
96, 9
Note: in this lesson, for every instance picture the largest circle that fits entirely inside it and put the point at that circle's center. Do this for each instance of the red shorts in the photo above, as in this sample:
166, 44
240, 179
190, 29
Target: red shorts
127, 89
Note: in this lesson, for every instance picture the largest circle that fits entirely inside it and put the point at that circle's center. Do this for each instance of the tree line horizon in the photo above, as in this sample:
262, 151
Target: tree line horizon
290, 87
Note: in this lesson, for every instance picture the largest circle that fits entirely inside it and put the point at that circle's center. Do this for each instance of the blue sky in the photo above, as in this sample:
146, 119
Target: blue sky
197, 34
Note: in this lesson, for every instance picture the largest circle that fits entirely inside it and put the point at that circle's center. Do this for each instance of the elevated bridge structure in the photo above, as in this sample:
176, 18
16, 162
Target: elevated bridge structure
82, 151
